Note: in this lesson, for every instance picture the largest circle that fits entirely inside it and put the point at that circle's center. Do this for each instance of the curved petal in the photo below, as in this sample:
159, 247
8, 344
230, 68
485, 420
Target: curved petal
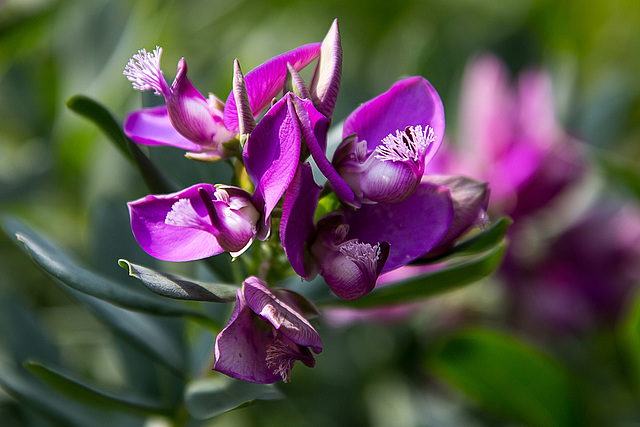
412, 227
271, 155
183, 235
409, 102
296, 225
241, 347
266, 80
326, 77
152, 126
282, 316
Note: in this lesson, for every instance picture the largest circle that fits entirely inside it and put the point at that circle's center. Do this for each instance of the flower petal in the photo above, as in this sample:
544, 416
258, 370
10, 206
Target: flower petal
152, 126
412, 227
266, 80
271, 155
326, 77
281, 315
296, 225
409, 102
241, 347
154, 219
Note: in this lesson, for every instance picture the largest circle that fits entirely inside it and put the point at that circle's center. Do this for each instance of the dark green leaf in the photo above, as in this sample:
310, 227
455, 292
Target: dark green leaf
141, 331
622, 171
85, 394
171, 286
60, 266
106, 121
216, 395
509, 377
36, 396
480, 242
629, 336
429, 284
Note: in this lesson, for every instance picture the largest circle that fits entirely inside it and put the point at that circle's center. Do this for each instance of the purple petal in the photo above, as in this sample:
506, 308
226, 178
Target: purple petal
241, 347
271, 155
266, 80
189, 241
412, 227
409, 102
470, 198
282, 316
326, 77
296, 225
152, 126
314, 129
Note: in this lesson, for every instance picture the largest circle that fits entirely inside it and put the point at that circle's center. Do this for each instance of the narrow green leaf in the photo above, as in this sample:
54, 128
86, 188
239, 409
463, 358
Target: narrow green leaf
155, 180
53, 261
140, 330
36, 396
171, 286
88, 395
430, 284
218, 394
480, 242
509, 377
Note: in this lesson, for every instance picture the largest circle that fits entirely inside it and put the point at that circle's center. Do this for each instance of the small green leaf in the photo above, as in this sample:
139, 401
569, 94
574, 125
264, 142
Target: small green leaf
85, 394
60, 266
171, 286
480, 242
106, 121
430, 284
218, 394
509, 377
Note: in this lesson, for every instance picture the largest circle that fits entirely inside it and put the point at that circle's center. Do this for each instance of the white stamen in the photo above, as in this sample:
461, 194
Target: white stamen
182, 214
144, 73
362, 254
281, 358
408, 145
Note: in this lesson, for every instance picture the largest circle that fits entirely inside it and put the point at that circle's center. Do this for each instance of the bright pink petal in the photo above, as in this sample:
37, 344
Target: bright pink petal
152, 126
266, 80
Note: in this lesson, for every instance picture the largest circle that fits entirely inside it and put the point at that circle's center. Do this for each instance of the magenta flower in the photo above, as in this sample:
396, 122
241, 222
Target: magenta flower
188, 120
268, 331
509, 136
389, 140
195, 223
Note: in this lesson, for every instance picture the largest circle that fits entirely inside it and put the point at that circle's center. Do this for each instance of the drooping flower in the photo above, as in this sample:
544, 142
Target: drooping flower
188, 120
389, 140
197, 222
267, 333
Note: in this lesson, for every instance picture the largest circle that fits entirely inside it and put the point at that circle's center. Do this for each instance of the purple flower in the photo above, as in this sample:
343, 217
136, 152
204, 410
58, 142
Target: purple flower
189, 120
389, 140
195, 223
268, 331
509, 137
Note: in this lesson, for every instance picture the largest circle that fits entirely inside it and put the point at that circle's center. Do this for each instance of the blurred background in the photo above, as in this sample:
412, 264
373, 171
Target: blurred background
61, 176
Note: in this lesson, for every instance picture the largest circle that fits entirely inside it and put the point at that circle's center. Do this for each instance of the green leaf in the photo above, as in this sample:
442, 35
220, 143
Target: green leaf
155, 180
508, 376
480, 242
141, 331
430, 284
172, 286
53, 261
622, 171
85, 394
36, 396
629, 336
218, 394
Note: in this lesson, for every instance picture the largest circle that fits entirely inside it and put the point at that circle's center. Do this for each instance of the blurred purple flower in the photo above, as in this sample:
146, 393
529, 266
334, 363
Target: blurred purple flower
268, 331
510, 138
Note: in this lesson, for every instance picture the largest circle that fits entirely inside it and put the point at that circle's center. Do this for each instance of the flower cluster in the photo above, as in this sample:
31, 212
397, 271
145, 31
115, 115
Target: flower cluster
388, 211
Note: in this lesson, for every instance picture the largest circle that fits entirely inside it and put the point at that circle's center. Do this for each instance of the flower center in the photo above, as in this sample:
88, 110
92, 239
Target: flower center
144, 73
281, 357
409, 145
363, 255
182, 214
